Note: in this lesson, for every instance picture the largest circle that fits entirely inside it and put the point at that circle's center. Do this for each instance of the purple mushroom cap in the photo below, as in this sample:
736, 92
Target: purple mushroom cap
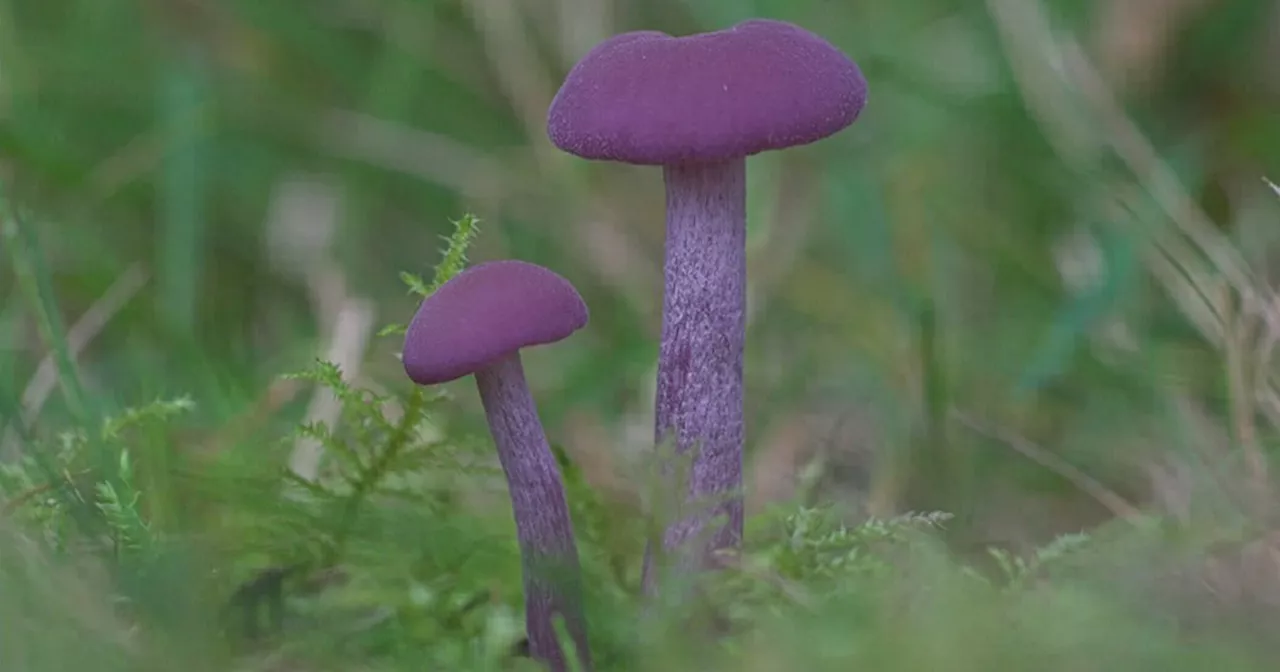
485, 313
649, 98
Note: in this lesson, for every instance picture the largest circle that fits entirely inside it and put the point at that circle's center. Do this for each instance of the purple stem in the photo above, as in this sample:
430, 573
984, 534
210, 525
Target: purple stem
552, 574
699, 395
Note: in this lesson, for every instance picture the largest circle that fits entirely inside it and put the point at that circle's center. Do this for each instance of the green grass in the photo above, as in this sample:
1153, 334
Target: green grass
1009, 293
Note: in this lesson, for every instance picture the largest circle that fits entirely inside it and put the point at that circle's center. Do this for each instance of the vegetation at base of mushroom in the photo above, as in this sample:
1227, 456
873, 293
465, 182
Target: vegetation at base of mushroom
434, 585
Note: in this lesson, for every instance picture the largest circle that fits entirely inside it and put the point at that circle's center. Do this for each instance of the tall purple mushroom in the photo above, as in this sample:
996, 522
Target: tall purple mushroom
476, 323
699, 106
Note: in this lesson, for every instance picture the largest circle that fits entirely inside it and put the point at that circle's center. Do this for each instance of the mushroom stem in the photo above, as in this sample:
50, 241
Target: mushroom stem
544, 529
699, 391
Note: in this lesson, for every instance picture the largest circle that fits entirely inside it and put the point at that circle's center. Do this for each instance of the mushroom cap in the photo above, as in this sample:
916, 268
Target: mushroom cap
485, 313
649, 98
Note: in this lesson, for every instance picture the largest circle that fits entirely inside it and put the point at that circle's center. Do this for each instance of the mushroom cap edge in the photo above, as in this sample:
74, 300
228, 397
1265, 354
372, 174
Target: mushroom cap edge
485, 313
646, 97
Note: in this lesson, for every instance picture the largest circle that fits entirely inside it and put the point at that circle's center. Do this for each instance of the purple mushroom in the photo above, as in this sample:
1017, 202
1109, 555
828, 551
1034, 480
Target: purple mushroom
476, 323
699, 106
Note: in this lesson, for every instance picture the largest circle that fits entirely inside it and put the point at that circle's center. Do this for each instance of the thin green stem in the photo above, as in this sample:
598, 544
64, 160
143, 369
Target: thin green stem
23, 247
182, 192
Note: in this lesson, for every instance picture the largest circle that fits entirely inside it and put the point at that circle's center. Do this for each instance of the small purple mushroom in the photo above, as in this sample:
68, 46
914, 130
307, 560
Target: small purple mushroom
698, 106
476, 323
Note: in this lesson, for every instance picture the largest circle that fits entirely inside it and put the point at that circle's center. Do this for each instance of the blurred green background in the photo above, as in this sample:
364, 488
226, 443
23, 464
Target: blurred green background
1030, 285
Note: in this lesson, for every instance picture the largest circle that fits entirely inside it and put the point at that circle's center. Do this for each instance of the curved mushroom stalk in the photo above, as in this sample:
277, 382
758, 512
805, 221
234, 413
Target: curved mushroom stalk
475, 324
699, 394
552, 583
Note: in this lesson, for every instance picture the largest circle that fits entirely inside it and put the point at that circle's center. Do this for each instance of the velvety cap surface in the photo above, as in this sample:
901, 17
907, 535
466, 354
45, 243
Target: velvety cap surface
649, 98
486, 312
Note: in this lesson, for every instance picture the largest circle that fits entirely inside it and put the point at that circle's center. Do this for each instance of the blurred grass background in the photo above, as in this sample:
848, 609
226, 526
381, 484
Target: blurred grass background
1031, 284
